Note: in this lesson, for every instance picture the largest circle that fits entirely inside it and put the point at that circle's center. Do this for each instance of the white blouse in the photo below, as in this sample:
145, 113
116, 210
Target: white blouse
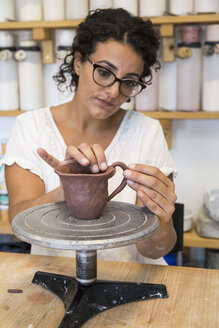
139, 139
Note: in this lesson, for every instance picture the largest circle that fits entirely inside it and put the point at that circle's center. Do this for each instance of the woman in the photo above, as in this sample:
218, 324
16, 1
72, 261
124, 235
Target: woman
111, 60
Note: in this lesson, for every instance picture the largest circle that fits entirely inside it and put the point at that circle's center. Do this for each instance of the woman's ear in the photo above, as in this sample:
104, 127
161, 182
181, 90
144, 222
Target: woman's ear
77, 62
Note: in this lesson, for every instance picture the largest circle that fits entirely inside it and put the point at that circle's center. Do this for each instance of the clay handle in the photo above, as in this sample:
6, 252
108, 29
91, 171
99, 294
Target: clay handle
122, 184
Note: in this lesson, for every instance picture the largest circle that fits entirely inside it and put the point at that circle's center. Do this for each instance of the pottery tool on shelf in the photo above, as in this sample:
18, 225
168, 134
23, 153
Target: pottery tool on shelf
53, 225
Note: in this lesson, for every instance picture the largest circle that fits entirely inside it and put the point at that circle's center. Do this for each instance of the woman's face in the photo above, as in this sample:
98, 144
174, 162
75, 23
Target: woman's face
102, 102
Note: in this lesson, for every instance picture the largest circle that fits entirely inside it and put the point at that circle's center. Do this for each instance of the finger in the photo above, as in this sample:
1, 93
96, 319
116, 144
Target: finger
152, 183
87, 150
100, 156
152, 171
164, 215
74, 152
49, 159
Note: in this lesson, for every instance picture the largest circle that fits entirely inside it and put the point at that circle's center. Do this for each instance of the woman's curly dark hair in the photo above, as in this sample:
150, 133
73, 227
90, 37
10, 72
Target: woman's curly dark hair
104, 24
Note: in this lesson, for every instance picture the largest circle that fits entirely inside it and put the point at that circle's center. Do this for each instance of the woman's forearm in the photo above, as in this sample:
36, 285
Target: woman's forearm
55, 195
160, 243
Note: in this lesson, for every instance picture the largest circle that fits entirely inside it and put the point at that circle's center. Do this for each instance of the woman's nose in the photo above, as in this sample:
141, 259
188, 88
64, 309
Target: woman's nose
113, 90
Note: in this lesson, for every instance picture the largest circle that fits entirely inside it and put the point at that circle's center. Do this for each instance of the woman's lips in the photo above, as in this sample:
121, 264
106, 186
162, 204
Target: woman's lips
105, 102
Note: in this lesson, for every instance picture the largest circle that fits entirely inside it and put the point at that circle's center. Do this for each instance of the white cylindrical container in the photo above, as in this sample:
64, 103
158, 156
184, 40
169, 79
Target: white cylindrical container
210, 80
180, 7
150, 8
167, 86
6, 39
189, 79
129, 5
30, 75
7, 10
102, 4
8, 80
64, 37
147, 100
212, 32
76, 9
51, 93
29, 10
53, 9
206, 6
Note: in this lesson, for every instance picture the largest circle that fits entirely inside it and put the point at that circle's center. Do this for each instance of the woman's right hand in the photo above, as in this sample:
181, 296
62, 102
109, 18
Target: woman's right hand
85, 154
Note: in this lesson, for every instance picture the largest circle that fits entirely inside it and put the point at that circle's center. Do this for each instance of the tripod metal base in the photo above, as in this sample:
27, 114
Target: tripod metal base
83, 302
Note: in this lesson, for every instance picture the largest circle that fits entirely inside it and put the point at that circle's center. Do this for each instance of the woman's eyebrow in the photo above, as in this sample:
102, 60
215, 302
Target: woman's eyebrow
115, 68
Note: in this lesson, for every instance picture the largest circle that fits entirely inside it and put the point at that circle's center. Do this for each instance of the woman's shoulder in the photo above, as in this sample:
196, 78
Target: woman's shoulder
140, 120
33, 115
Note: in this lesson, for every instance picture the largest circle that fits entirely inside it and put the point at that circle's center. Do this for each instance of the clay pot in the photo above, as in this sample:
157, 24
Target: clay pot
86, 193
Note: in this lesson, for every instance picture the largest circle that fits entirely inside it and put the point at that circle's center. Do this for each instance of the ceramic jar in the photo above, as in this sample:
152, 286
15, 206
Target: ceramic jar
150, 8
76, 9
129, 5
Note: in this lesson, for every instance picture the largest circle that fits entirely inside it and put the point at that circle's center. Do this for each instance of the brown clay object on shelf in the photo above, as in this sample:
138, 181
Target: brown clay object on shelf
86, 193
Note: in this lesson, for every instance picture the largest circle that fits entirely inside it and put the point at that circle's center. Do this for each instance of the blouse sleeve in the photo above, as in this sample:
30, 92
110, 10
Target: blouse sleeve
22, 145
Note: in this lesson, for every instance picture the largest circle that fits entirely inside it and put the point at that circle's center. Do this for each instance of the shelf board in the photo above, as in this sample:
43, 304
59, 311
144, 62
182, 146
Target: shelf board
166, 115
183, 115
188, 19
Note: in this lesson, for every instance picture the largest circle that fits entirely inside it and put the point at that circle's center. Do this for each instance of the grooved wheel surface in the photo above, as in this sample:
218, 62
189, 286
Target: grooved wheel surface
53, 225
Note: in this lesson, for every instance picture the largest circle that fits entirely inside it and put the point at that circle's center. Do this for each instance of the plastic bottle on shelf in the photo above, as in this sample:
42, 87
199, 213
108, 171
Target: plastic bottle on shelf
167, 86
150, 8
189, 65
147, 100
129, 5
30, 77
206, 6
7, 10
180, 7
76, 9
29, 10
95, 4
53, 10
210, 78
8, 72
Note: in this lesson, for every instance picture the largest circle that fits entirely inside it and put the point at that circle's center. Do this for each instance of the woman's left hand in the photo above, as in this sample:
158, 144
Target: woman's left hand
155, 190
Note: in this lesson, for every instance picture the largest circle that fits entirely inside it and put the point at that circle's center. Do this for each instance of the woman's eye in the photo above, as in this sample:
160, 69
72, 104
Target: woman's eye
103, 72
130, 83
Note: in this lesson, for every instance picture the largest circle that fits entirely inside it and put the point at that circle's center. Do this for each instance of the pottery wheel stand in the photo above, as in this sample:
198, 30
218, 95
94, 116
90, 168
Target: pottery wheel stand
52, 225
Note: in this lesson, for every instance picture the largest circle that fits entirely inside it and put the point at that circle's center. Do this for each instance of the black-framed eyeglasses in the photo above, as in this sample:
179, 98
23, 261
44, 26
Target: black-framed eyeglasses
105, 78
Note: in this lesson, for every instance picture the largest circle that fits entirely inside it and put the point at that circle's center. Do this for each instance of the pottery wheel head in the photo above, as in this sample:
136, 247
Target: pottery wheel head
53, 225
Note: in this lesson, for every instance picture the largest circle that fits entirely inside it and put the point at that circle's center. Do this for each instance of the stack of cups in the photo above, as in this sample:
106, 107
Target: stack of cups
180, 7
203, 6
102, 4
210, 78
129, 5
189, 67
147, 100
76, 9
29, 10
28, 56
7, 10
53, 9
8, 73
150, 8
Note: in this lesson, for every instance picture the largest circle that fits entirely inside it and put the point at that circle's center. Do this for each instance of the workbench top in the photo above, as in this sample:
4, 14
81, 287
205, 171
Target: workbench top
193, 295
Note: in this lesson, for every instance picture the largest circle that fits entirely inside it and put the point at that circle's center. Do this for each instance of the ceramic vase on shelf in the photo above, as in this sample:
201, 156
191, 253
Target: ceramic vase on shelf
8, 79
210, 78
129, 105
167, 86
51, 93
29, 10
189, 65
206, 6
102, 4
76, 9
54, 9
147, 100
7, 10
129, 5
180, 7
28, 56
190, 33
150, 8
